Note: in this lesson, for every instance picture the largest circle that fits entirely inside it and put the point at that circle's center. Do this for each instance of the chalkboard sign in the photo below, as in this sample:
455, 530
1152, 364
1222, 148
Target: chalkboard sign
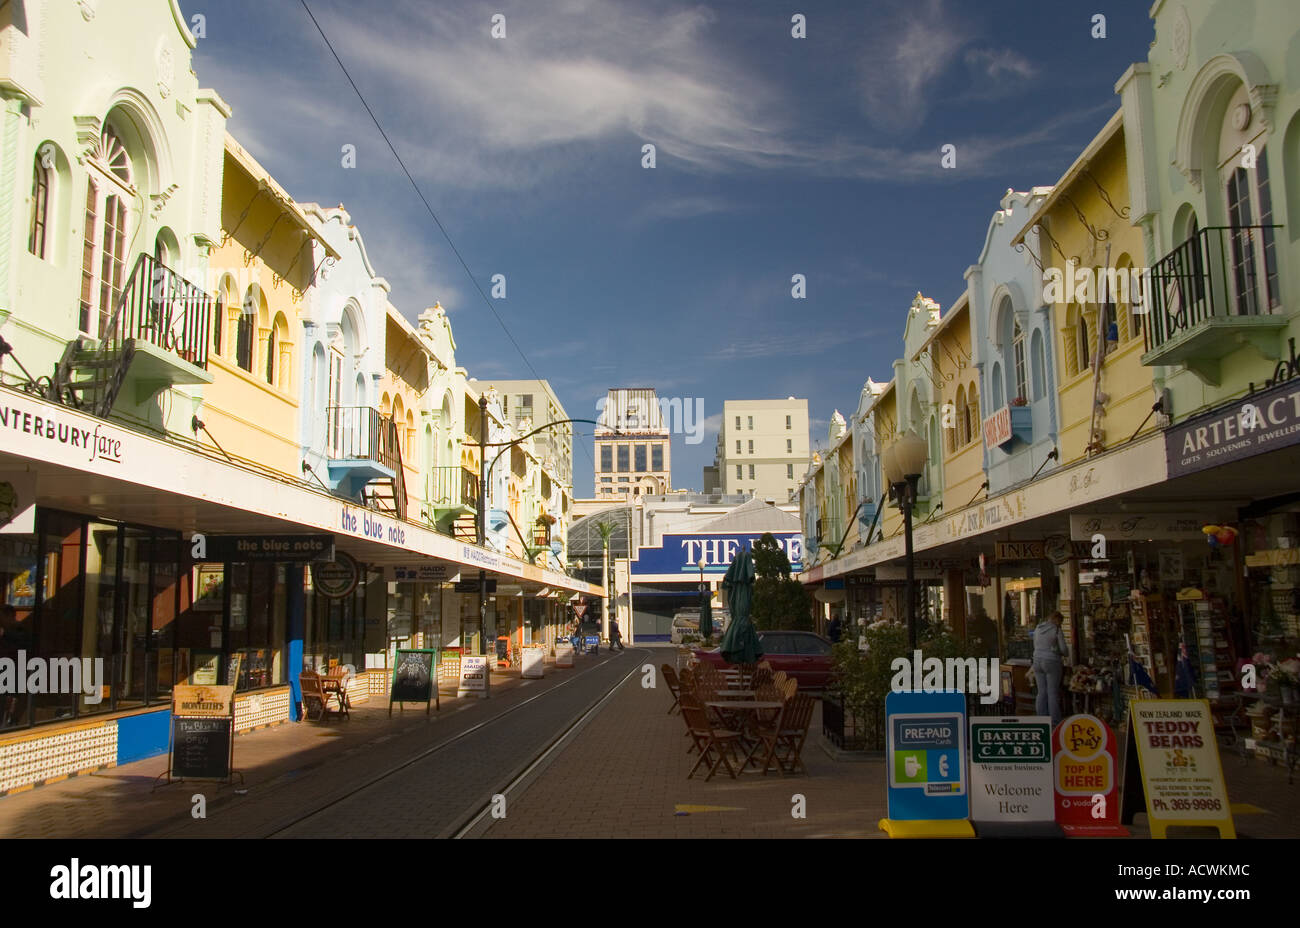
201, 748
414, 677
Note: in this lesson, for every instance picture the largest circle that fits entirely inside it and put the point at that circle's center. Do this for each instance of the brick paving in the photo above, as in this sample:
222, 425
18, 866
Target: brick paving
624, 775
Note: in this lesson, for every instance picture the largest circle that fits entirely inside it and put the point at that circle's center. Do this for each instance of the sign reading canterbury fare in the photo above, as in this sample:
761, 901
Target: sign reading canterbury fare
1261, 422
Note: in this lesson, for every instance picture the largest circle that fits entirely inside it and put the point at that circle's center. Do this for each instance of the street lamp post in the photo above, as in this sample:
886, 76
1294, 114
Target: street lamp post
903, 463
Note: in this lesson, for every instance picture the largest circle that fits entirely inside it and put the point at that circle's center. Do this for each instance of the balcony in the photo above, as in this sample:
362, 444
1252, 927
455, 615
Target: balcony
1212, 294
156, 338
363, 449
451, 491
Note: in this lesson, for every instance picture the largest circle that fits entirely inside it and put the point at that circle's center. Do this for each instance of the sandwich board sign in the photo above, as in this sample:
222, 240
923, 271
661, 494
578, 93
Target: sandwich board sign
473, 676
1178, 766
415, 678
202, 734
926, 760
1085, 771
1011, 776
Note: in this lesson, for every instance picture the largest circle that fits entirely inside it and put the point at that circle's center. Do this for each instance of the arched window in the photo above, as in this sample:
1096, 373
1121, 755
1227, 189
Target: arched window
1018, 352
247, 329
1249, 200
40, 207
961, 428
104, 236
1037, 365
1084, 350
271, 358
218, 320
998, 399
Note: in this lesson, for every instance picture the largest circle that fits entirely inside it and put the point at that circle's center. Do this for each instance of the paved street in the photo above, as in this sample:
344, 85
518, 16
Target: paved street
292, 770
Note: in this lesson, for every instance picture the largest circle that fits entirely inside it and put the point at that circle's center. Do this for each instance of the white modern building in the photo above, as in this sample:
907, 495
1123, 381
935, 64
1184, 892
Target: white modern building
762, 449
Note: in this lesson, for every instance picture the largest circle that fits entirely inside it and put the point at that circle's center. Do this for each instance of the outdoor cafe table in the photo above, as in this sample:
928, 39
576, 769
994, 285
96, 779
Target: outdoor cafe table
751, 707
735, 694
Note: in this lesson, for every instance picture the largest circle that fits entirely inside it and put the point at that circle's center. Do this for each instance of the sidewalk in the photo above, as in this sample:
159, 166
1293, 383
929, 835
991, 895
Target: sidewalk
624, 775
122, 802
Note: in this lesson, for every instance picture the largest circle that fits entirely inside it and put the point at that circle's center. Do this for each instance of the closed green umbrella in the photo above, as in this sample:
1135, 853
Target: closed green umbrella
740, 643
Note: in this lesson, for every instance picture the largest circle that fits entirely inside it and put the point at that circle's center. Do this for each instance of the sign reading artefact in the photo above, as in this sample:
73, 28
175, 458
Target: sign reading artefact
414, 679
1011, 774
1085, 778
926, 758
336, 578
1261, 422
473, 676
1178, 758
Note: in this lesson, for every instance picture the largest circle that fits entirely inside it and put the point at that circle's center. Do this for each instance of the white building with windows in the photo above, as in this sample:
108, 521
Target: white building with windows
633, 446
762, 448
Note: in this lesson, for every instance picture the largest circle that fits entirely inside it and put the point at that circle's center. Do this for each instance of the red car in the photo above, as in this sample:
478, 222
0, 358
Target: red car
803, 655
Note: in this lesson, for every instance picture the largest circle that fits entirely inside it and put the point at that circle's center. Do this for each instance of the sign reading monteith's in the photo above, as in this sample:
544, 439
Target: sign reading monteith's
1263, 421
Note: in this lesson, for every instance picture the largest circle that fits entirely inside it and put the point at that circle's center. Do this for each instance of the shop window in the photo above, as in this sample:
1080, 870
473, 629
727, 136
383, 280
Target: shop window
1018, 350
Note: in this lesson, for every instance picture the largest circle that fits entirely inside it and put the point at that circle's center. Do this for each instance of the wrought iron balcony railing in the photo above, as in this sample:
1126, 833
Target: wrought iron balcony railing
1220, 274
452, 488
360, 433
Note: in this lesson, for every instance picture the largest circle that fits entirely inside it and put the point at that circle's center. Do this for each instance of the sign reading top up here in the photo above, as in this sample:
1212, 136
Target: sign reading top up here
926, 740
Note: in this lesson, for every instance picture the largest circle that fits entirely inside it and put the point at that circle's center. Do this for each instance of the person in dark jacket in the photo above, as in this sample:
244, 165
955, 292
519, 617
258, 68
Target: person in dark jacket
833, 629
615, 636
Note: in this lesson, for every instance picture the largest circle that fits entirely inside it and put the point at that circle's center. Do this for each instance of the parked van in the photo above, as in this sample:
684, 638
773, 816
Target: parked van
687, 622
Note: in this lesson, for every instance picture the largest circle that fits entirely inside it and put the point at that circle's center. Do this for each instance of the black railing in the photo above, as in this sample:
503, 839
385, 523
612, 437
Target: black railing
360, 433
1219, 272
157, 306
452, 487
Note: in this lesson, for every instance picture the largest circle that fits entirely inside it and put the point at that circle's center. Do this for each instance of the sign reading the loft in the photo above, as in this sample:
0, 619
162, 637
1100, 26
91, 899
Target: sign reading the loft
997, 428
221, 548
336, 578
1261, 422
682, 553
424, 573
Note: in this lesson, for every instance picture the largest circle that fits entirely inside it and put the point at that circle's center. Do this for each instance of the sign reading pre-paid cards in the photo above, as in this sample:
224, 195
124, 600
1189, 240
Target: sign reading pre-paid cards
926, 740
1178, 758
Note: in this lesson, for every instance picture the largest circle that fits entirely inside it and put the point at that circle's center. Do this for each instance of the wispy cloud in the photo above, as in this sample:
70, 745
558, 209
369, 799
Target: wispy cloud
688, 207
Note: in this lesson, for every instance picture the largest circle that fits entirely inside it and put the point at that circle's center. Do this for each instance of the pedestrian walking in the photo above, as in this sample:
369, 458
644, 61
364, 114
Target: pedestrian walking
577, 636
833, 629
615, 637
1050, 652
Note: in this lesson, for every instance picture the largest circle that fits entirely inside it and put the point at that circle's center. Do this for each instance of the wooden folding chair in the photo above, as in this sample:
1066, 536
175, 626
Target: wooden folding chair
674, 685
315, 701
794, 724
714, 743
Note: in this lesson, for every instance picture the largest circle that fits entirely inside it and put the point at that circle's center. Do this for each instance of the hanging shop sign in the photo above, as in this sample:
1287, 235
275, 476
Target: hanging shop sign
1056, 548
1153, 526
1178, 767
1084, 767
1011, 775
478, 556
424, 573
414, 678
222, 548
997, 428
336, 578
472, 586
202, 735
1276, 557
1264, 421
926, 757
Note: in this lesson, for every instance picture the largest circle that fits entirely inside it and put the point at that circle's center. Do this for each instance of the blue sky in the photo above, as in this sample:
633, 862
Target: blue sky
775, 156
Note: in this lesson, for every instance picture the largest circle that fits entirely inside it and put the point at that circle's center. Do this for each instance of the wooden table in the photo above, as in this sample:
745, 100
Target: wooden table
751, 707
735, 694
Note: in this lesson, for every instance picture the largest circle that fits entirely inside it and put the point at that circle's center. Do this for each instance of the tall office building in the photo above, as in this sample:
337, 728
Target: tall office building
762, 448
633, 448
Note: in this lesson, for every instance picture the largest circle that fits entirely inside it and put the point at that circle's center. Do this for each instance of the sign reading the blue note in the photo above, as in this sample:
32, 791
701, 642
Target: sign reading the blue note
678, 554
926, 735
